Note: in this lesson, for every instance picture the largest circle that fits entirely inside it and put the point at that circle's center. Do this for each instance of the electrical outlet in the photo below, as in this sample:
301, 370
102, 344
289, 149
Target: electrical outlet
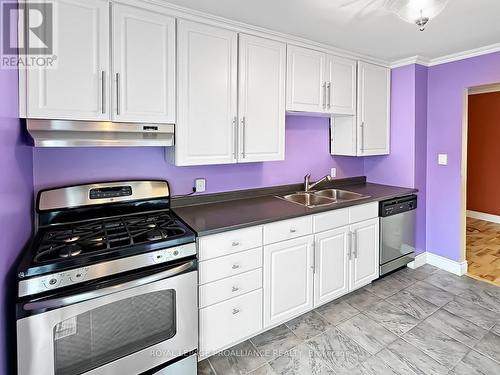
333, 172
200, 185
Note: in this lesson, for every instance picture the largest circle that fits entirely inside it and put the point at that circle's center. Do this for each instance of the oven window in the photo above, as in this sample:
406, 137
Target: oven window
113, 331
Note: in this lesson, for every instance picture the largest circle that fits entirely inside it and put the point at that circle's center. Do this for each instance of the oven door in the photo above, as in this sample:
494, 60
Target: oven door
124, 328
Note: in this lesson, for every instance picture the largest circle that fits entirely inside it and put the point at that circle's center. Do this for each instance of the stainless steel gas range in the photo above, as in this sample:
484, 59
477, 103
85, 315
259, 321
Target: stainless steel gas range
108, 284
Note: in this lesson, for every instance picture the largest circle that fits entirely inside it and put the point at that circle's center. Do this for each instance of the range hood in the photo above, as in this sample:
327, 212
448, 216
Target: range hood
68, 133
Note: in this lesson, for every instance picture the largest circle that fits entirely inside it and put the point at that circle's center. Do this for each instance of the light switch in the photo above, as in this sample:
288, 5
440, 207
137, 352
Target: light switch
443, 159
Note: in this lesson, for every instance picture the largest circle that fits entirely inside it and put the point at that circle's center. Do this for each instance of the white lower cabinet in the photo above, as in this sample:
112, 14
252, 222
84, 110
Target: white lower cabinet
365, 253
229, 321
345, 259
331, 277
288, 282
304, 262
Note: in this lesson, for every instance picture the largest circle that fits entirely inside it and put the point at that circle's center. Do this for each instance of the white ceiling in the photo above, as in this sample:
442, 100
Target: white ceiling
365, 26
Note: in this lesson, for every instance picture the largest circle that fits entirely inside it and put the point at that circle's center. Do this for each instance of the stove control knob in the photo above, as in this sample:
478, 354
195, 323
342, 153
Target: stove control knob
78, 275
175, 253
159, 257
52, 282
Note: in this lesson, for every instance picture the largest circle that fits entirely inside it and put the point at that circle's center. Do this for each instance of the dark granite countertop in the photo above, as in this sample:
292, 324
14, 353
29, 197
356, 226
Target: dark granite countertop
223, 212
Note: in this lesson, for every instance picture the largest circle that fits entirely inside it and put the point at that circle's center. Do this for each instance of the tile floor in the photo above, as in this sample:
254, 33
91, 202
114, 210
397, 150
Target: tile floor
483, 250
424, 321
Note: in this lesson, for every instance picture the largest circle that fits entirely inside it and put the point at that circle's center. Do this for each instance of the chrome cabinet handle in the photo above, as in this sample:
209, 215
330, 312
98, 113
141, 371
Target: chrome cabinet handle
329, 87
103, 92
313, 266
236, 266
349, 249
236, 136
236, 311
324, 95
235, 243
356, 246
235, 289
293, 230
244, 135
362, 136
117, 93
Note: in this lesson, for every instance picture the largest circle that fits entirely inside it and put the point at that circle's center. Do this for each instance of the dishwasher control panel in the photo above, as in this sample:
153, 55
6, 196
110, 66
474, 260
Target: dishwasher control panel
398, 205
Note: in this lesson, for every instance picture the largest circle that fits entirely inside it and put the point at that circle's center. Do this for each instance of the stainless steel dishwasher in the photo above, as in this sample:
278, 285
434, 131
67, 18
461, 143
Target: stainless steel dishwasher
397, 232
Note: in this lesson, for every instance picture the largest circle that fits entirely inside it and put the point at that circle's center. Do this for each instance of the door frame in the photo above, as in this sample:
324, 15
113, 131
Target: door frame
483, 89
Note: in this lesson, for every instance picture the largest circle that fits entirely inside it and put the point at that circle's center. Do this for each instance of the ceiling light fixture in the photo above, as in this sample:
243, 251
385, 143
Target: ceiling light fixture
416, 11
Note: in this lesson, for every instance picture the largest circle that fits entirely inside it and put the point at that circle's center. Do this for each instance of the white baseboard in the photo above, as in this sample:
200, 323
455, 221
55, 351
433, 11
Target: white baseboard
483, 216
457, 268
419, 261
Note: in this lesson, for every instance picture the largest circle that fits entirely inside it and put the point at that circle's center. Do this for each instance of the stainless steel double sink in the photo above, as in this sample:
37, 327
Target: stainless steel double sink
323, 197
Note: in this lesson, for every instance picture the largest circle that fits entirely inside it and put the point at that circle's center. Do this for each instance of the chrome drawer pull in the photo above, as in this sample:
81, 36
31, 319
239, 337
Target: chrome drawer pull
293, 230
236, 311
236, 243
235, 289
236, 266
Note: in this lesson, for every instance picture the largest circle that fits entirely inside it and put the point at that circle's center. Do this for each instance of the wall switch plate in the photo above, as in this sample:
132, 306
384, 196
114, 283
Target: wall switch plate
200, 185
333, 172
443, 159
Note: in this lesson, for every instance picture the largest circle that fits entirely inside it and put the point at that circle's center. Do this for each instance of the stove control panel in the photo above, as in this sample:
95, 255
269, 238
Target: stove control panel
71, 277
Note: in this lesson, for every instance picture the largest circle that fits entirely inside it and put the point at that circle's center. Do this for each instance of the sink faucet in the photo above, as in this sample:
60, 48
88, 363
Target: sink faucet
308, 186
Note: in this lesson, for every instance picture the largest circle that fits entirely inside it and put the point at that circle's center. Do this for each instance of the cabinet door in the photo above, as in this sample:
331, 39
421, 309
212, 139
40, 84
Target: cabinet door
373, 109
77, 89
341, 86
207, 94
306, 84
288, 279
331, 258
143, 66
261, 100
365, 253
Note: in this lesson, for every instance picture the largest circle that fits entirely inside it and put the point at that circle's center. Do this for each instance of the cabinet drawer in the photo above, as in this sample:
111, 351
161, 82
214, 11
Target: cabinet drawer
230, 287
363, 212
230, 321
331, 220
288, 229
230, 265
229, 242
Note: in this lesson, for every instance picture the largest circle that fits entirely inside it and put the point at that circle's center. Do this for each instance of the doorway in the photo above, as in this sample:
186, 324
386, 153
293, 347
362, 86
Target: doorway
482, 221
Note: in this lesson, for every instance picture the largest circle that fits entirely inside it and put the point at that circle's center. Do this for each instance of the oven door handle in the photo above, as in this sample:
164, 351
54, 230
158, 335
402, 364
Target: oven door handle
86, 296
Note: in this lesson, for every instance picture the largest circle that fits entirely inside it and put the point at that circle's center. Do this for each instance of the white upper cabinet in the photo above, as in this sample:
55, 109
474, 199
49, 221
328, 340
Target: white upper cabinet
207, 94
368, 133
261, 99
77, 88
217, 123
364, 253
143, 66
374, 86
321, 83
306, 83
341, 86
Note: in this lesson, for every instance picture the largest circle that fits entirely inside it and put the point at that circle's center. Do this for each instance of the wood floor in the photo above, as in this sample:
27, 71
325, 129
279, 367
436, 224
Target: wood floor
483, 250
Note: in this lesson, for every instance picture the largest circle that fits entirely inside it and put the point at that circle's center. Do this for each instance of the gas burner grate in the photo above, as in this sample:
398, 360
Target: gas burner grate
78, 239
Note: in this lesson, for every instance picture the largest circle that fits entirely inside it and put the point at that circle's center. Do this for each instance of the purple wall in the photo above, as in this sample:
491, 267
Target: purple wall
16, 188
406, 164
447, 84
307, 151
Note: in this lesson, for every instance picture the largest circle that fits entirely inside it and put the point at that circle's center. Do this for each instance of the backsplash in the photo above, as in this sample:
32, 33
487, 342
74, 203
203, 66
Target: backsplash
307, 151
